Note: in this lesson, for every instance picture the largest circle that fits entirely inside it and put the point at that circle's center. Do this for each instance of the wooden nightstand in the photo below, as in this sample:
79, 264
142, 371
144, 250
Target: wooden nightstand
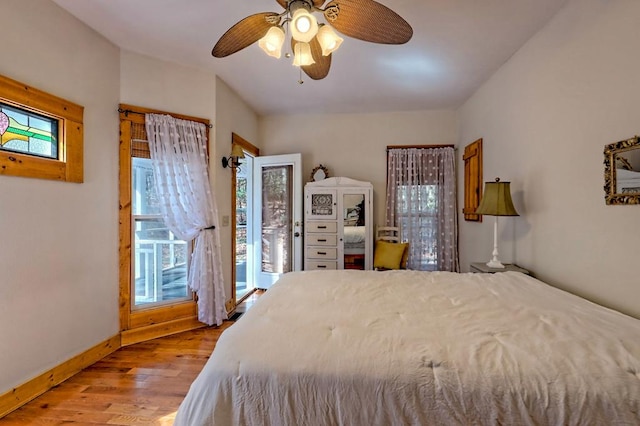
483, 268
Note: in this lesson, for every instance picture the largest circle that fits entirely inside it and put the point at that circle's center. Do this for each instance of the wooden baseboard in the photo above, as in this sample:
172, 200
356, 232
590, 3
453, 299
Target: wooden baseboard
20, 395
230, 305
142, 334
35, 387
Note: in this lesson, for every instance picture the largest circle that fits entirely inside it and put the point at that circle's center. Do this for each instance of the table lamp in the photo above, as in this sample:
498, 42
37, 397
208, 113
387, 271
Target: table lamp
496, 201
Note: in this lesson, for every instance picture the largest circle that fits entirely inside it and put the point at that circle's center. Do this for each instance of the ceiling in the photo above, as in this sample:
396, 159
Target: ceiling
456, 46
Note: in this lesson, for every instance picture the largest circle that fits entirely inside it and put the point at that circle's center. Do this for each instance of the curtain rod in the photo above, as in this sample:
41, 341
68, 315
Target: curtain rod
128, 111
420, 146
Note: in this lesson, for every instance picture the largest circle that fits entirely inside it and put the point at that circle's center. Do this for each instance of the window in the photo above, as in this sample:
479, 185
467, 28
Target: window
159, 259
154, 298
27, 132
40, 134
417, 211
421, 201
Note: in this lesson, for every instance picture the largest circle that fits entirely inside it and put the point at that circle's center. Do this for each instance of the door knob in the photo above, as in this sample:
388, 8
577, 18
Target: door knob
297, 234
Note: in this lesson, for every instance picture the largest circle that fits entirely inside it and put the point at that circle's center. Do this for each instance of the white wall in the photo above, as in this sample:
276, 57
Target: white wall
354, 145
545, 117
153, 83
234, 116
59, 241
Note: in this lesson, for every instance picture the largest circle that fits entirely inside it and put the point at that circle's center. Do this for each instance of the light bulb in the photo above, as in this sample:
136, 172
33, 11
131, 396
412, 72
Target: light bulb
304, 26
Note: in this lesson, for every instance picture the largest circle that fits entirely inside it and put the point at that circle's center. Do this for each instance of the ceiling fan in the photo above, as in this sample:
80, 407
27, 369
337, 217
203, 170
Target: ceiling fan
312, 43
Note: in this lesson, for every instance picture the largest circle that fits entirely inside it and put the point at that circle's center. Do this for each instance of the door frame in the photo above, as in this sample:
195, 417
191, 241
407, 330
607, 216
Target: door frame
254, 151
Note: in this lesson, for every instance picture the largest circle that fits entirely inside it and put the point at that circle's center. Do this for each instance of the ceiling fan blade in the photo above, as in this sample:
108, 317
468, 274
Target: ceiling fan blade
282, 3
318, 3
320, 69
368, 20
243, 34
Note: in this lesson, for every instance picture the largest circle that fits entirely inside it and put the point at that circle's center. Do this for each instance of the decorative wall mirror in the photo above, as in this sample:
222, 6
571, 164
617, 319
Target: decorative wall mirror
622, 172
319, 173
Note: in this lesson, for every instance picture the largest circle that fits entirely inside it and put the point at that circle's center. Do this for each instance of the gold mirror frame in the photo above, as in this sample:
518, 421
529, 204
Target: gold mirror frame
317, 169
610, 172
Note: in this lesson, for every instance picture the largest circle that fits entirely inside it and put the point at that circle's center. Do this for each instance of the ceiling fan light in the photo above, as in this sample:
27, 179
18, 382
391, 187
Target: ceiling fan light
304, 26
272, 42
329, 40
303, 55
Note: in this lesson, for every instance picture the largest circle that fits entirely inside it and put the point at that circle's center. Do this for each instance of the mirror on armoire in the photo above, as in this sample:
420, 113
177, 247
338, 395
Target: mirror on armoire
354, 230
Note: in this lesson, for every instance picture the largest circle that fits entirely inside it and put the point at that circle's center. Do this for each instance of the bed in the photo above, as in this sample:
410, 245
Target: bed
354, 239
420, 348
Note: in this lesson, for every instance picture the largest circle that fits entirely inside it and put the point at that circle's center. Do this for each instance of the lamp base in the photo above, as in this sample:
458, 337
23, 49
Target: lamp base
494, 263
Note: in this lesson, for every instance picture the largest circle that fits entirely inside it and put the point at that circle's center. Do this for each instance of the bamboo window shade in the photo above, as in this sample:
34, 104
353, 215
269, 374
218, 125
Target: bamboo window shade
139, 142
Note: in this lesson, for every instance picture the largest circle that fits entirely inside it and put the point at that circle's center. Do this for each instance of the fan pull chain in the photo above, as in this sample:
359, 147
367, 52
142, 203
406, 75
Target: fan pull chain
288, 53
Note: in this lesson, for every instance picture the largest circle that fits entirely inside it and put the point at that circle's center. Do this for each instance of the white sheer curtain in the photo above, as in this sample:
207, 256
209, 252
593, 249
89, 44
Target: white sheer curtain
179, 157
421, 200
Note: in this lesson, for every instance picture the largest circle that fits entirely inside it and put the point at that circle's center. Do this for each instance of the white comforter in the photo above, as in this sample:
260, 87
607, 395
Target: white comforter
420, 348
354, 234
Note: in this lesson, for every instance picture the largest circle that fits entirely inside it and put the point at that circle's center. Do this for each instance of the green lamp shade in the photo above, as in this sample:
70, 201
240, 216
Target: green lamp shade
496, 200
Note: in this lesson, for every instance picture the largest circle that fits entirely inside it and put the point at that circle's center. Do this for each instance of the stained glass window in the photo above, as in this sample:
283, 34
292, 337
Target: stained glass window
26, 132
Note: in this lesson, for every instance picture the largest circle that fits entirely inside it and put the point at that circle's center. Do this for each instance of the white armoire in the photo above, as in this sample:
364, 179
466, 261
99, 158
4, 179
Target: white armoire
338, 229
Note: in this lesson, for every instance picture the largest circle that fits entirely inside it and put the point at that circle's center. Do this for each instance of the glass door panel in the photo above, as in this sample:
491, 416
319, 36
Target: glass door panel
243, 226
241, 236
354, 231
278, 204
277, 200
322, 205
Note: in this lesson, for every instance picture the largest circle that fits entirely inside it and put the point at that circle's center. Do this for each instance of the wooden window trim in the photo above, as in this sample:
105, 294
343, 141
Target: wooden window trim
70, 165
144, 324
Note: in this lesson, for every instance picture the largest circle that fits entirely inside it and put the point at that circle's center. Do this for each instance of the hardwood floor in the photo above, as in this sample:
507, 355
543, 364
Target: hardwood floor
141, 384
